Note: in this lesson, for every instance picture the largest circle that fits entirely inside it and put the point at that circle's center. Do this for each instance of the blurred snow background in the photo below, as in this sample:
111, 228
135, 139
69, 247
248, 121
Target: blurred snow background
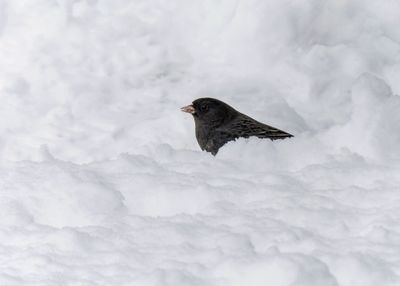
102, 181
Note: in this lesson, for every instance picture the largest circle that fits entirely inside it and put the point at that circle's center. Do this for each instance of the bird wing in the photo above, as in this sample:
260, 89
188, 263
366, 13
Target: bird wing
244, 126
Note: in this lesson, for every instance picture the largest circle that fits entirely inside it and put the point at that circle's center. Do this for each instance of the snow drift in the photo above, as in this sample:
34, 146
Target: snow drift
102, 181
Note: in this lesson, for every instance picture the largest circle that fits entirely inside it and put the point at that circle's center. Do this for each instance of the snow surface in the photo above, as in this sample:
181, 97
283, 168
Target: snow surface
102, 180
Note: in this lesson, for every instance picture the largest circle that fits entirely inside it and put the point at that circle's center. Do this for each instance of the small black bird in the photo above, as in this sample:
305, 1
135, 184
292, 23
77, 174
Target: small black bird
218, 123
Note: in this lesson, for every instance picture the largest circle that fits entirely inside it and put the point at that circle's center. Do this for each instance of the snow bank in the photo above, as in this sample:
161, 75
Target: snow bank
103, 183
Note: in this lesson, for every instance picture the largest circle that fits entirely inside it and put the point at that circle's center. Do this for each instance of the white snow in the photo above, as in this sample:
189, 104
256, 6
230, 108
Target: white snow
102, 181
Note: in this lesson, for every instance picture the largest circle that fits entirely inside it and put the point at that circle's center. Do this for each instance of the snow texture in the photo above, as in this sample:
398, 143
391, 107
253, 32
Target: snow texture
102, 181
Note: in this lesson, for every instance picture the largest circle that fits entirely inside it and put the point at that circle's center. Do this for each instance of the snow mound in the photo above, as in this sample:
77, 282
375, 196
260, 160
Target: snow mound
102, 181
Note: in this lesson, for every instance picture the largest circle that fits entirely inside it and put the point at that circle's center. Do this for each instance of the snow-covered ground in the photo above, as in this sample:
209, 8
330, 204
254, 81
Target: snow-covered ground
102, 181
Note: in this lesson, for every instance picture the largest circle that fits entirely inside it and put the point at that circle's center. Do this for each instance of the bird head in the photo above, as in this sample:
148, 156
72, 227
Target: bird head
210, 111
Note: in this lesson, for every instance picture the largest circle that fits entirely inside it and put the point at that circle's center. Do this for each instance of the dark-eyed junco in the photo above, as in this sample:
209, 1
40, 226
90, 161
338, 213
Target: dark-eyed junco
217, 123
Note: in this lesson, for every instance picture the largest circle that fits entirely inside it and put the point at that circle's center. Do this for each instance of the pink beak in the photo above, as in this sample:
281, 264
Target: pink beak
189, 109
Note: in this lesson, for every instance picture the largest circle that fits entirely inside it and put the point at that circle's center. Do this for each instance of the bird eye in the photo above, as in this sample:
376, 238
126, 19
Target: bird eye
204, 107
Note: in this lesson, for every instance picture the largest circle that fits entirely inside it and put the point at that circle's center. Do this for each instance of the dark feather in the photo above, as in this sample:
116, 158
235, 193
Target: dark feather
244, 126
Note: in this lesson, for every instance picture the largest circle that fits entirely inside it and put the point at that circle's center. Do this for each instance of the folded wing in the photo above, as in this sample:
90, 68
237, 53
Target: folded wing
244, 126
